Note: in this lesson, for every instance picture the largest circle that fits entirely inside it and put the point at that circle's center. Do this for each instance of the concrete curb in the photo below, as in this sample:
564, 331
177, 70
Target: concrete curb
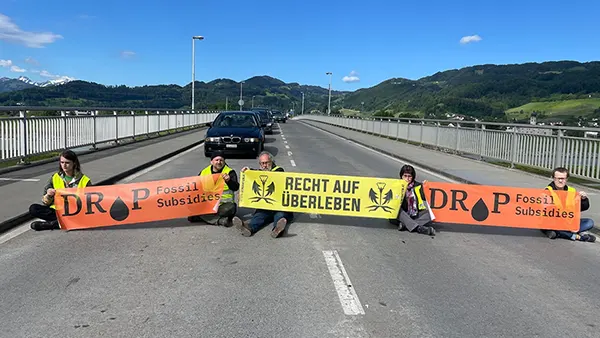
52, 159
24, 217
595, 229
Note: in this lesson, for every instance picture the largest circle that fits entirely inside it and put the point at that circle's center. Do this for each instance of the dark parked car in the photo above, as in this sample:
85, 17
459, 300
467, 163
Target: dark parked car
279, 116
266, 121
235, 133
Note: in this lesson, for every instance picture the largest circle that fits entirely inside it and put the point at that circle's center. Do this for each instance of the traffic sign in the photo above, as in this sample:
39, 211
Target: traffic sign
241, 102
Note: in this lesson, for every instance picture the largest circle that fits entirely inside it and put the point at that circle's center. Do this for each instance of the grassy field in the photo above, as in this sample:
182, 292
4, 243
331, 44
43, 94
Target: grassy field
579, 107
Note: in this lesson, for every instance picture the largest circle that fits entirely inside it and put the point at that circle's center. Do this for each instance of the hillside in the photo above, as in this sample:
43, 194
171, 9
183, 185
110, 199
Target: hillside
267, 91
8, 85
489, 92
484, 91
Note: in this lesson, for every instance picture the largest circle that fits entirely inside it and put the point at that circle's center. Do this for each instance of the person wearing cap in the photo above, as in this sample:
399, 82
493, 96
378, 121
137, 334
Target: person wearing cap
225, 215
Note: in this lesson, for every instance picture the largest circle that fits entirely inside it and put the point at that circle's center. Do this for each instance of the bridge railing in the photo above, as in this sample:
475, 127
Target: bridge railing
535, 146
28, 131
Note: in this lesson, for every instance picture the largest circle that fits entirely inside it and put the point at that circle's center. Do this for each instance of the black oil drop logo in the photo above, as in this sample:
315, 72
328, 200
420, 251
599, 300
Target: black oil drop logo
119, 210
480, 211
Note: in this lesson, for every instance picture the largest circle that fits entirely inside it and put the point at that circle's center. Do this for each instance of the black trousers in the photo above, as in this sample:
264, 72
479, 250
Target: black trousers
42, 211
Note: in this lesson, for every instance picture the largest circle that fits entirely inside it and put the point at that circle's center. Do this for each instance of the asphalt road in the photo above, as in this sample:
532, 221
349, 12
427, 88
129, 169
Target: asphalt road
174, 279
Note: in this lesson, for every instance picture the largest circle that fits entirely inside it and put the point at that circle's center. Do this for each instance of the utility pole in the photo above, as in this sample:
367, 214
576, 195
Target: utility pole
302, 113
241, 101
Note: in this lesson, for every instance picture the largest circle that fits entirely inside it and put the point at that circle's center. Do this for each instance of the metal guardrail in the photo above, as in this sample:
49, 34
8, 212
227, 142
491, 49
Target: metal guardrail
536, 146
27, 134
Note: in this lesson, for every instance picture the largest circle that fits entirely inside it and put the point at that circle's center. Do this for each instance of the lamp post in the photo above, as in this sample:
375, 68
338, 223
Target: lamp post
194, 38
302, 113
241, 101
253, 101
329, 104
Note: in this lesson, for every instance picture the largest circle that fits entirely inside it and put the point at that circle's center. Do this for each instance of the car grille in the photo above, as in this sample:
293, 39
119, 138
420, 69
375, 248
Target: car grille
234, 139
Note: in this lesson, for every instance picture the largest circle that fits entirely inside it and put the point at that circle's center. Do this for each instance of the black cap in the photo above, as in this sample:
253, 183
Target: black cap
215, 154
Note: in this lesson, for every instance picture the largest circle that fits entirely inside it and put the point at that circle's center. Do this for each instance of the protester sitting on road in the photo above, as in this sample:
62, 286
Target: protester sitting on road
559, 182
69, 175
225, 215
261, 218
414, 211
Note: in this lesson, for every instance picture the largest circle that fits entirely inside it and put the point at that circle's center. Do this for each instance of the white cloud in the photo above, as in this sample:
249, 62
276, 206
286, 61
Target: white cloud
127, 54
352, 77
32, 61
5, 63
10, 32
17, 69
45, 73
470, 38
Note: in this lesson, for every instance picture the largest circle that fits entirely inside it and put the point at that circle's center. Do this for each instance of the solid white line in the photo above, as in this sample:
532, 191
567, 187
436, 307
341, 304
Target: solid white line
16, 232
343, 286
388, 156
287, 147
159, 164
289, 153
293, 163
19, 179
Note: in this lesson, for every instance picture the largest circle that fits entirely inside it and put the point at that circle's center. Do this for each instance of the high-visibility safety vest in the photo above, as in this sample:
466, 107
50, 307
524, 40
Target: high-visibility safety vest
275, 168
571, 194
227, 193
59, 183
420, 202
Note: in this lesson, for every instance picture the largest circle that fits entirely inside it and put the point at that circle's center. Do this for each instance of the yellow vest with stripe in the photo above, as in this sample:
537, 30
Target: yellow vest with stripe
420, 202
59, 183
571, 195
275, 168
227, 193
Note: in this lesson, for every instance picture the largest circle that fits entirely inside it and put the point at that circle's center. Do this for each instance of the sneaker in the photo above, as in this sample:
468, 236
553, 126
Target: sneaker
244, 228
425, 230
235, 221
551, 234
42, 225
279, 228
587, 238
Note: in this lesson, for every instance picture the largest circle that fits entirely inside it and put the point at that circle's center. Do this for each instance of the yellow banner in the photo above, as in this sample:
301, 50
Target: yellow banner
322, 194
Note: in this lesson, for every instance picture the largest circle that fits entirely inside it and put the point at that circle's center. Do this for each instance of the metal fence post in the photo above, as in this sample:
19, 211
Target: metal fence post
23, 137
558, 149
513, 151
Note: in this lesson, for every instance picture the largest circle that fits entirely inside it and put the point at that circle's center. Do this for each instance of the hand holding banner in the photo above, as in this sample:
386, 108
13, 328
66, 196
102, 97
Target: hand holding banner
504, 206
99, 206
322, 194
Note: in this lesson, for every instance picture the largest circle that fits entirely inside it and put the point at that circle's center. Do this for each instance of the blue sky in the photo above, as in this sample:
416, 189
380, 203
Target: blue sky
136, 42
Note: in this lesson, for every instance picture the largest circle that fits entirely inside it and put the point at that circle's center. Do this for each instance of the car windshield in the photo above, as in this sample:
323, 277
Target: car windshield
235, 121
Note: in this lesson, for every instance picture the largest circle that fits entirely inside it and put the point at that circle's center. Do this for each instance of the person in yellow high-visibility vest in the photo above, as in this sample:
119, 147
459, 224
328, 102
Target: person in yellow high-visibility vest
559, 182
260, 217
225, 215
69, 175
414, 211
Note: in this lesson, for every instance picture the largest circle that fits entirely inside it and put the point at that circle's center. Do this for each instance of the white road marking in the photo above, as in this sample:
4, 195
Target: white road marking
159, 164
388, 156
19, 179
287, 147
21, 229
289, 153
343, 286
293, 163
284, 141
314, 215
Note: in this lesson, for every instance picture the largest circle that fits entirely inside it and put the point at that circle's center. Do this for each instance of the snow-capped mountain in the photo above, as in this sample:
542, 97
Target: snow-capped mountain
54, 82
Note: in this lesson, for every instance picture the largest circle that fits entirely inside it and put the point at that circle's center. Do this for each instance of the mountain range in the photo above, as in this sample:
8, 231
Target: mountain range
23, 82
487, 92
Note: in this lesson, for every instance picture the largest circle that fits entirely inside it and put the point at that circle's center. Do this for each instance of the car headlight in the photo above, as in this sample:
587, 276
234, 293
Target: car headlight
250, 139
269, 124
212, 139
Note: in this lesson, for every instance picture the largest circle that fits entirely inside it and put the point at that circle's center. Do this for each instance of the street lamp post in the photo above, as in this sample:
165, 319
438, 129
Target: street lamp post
302, 113
329, 104
241, 101
253, 101
194, 38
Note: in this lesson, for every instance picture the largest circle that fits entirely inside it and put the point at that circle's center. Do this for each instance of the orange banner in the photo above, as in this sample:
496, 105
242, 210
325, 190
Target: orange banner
503, 206
141, 202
